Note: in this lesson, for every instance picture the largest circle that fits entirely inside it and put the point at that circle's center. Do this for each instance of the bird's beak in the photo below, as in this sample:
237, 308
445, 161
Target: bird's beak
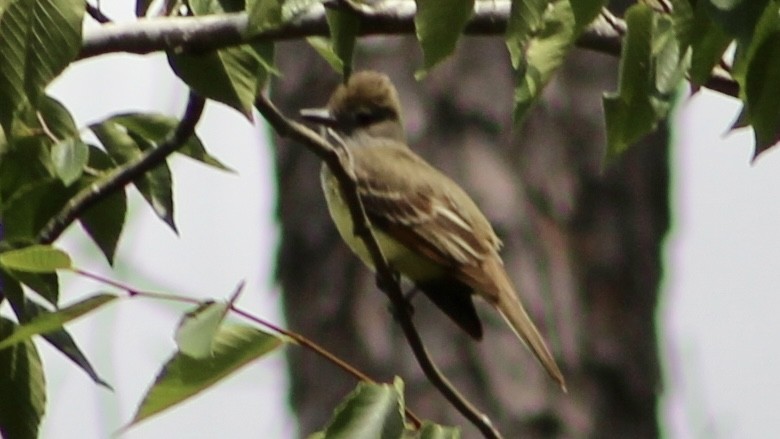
322, 116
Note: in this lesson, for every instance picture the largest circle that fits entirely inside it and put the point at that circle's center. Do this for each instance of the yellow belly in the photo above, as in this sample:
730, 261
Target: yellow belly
400, 258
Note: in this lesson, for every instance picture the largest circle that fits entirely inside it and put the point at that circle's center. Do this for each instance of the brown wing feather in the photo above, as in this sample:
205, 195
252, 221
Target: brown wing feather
417, 213
449, 229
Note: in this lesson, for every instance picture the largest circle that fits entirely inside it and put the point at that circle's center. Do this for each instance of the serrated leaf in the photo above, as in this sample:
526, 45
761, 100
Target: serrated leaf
438, 26
344, 27
40, 39
157, 127
683, 20
371, 410
104, 222
197, 329
525, 16
736, 17
27, 310
69, 156
183, 377
22, 166
35, 259
23, 387
156, 185
45, 284
32, 206
649, 71
292, 9
48, 322
545, 52
430, 430
671, 57
57, 118
708, 43
762, 89
232, 75
324, 49
265, 14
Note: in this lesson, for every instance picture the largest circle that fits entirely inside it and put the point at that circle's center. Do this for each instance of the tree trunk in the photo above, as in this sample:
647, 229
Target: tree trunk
581, 243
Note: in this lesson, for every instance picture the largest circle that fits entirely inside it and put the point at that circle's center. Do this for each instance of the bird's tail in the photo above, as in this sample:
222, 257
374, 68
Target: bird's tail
514, 313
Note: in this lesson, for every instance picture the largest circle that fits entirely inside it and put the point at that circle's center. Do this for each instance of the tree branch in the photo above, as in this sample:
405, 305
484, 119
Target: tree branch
387, 280
125, 174
390, 17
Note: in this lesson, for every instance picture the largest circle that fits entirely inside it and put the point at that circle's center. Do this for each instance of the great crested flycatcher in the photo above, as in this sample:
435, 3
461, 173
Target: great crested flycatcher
429, 229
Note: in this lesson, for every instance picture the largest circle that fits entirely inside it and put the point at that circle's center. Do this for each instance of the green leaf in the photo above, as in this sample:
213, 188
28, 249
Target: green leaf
40, 39
324, 49
235, 74
525, 16
156, 128
57, 118
48, 322
47, 285
69, 157
35, 259
105, 220
183, 377
708, 42
684, 21
23, 165
736, 17
156, 186
671, 57
371, 410
197, 329
762, 89
265, 14
344, 27
32, 206
27, 310
430, 430
232, 75
756, 76
652, 66
439, 25
545, 52
23, 386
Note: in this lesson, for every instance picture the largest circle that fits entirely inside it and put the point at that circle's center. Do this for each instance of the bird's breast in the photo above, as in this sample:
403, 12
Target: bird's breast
401, 258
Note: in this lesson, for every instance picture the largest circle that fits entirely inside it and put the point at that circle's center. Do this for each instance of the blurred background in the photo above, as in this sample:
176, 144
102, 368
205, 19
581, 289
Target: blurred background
654, 279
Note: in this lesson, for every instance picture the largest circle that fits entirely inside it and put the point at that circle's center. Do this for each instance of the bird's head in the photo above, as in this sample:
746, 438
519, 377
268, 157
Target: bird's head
367, 104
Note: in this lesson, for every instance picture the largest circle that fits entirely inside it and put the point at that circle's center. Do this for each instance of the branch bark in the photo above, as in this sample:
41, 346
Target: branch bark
604, 35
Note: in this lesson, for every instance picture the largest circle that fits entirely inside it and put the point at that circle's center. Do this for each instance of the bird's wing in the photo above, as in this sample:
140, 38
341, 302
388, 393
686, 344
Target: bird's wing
429, 215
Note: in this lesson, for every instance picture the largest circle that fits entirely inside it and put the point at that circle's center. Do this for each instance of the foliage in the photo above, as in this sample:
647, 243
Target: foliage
47, 165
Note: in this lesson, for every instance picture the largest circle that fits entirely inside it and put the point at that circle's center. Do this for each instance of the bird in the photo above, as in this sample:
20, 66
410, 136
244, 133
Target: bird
429, 229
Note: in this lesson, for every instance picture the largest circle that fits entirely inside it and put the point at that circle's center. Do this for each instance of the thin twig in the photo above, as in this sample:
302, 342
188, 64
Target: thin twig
294, 336
125, 174
322, 352
387, 279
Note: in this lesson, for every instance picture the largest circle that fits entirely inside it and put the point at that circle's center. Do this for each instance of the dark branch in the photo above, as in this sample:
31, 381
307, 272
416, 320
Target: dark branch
124, 175
604, 35
387, 280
